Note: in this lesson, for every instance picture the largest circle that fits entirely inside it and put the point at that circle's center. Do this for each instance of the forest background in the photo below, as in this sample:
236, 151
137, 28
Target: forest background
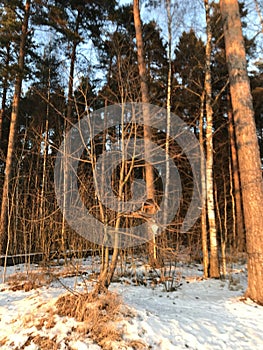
61, 60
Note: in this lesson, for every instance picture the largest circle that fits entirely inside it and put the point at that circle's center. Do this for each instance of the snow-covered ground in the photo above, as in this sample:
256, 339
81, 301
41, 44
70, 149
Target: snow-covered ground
199, 314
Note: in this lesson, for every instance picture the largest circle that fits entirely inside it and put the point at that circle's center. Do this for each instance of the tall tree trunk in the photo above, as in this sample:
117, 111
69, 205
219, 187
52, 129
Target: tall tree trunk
203, 182
12, 132
214, 264
147, 133
247, 146
67, 126
168, 117
240, 241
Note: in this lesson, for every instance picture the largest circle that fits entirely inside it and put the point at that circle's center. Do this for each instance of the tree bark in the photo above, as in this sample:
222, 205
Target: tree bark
247, 146
12, 132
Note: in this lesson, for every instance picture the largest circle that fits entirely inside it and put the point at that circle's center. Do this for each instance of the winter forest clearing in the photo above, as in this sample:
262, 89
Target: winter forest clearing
131, 190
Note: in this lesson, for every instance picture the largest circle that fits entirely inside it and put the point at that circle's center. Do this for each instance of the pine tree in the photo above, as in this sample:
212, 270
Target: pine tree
247, 145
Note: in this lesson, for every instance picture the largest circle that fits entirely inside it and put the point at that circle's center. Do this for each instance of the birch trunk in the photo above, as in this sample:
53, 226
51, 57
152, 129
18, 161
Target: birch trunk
214, 264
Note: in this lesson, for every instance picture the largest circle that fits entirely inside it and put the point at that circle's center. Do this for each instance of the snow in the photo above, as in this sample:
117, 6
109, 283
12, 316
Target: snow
199, 314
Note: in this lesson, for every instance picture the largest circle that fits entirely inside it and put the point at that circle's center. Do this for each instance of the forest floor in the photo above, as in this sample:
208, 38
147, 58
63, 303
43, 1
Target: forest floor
197, 314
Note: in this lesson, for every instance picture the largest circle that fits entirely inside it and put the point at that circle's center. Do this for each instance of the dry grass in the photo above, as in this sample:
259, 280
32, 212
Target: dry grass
46, 322
28, 281
43, 343
98, 315
41, 277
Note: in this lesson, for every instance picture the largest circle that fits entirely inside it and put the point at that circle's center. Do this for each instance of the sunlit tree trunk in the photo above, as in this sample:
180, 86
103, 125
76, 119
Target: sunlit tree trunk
214, 264
247, 146
12, 132
149, 174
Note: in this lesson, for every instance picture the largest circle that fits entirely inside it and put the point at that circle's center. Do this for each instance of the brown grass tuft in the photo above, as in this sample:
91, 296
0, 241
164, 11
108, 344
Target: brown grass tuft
99, 315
